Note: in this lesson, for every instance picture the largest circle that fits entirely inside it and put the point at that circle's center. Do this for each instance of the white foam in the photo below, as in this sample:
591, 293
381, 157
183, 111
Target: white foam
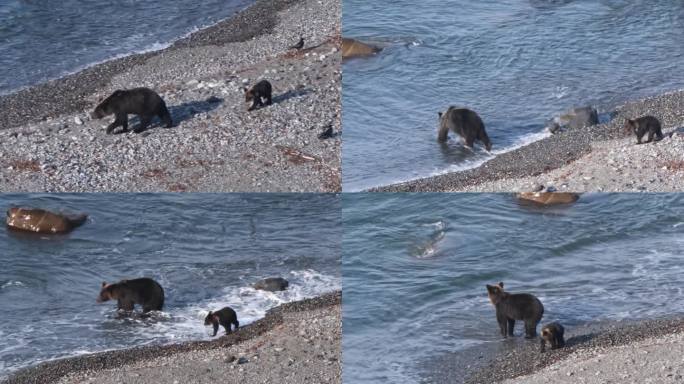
12, 283
250, 305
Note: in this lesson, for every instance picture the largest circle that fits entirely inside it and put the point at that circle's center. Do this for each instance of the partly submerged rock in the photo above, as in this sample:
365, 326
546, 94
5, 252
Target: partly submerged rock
548, 198
355, 48
271, 284
575, 118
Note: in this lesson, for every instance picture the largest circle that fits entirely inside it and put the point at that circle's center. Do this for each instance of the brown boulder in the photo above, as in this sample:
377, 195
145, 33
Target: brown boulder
548, 198
355, 48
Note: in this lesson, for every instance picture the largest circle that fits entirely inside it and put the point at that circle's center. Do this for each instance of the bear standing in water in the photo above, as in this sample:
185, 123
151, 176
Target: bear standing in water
225, 317
642, 125
143, 102
143, 291
260, 90
466, 124
515, 306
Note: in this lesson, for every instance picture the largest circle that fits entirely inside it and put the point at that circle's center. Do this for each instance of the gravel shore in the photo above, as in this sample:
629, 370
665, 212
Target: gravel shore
49, 143
602, 158
295, 343
611, 352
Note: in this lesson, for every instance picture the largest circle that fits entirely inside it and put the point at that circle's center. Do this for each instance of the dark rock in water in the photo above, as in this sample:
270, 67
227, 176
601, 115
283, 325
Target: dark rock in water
272, 284
573, 119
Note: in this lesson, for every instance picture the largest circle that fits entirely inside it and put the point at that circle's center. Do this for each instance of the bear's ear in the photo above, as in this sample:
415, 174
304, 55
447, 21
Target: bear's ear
245, 89
439, 114
104, 284
501, 284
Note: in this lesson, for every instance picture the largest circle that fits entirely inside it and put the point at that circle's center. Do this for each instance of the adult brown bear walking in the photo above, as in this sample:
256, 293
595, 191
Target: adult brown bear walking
515, 306
466, 124
224, 317
143, 102
143, 291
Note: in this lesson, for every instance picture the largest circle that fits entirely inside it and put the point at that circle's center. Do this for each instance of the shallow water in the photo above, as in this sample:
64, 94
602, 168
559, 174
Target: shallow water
204, 249
42, 40
517, 63
415, 267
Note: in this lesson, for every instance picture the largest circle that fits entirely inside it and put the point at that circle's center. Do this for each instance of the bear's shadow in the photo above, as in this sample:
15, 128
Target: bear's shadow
290, 94
182, 112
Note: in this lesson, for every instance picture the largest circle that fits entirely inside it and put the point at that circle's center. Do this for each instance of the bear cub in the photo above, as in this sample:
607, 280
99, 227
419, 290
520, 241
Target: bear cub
225, 317
642, 125
143, 102
552, 333
464, 122
260, 90
143, 291
515, 306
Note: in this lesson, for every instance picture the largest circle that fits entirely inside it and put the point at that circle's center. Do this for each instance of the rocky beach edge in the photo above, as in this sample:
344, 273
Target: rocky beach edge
295, 342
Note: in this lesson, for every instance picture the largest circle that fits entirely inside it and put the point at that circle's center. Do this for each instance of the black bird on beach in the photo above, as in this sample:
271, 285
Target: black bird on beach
299, 45
328, 133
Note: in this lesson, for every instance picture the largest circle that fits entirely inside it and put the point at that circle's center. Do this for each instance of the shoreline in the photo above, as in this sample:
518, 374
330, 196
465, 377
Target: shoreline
51, 144
601, 158
92, 364
519, 361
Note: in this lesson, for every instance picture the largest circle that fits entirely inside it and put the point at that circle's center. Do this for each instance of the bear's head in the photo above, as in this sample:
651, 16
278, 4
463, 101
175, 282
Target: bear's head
249, 94
210, 319
630, 126
106, 106
495, 292
107, 292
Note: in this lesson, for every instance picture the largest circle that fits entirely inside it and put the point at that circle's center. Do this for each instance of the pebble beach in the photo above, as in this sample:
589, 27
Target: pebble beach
51, 144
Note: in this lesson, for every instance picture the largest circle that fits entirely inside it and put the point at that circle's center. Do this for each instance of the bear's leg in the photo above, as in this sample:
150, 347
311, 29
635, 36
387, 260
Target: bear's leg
639, 136
227, 327
502, 324
469, 141
650, 135
124, 121
144, 122
215, 329
511, 327
126, 305
119, 121
269, 101
255, 104
165, 117
530, 329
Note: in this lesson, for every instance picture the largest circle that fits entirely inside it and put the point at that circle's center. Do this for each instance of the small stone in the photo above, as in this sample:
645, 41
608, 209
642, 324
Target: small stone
242, 360
78, 120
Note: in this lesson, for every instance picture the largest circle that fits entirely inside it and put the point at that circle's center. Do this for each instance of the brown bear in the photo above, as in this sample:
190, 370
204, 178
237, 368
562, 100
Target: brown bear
466, 124
553, 334
641, 125
143, 102
143, 291
42, 221
515, 306
225, 317
260, 90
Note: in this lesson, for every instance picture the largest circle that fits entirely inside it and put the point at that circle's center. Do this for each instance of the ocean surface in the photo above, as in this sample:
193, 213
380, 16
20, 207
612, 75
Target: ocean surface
43, 40
517, 63
415, 267
204, 249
